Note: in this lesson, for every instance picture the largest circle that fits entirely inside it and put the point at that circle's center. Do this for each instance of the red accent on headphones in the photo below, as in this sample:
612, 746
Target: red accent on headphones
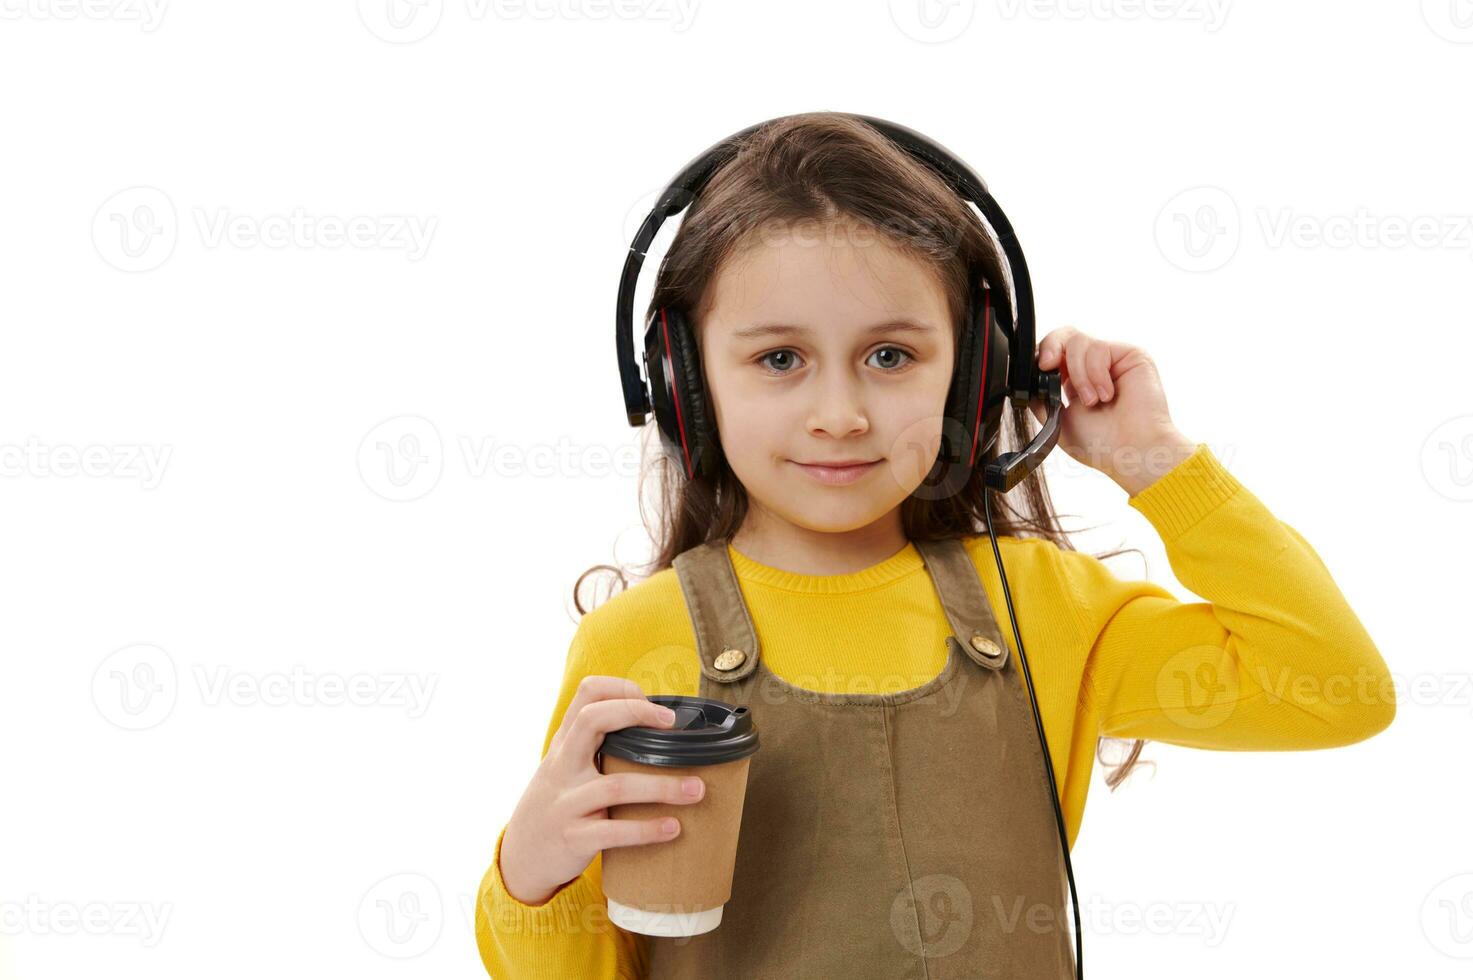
675, 393
982, 387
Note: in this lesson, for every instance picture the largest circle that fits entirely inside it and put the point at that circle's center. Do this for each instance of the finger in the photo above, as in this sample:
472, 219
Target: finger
1097, 362
1048, 350
1074, 356
1071, 393
594, 687
598, 718
604, 832
614, 789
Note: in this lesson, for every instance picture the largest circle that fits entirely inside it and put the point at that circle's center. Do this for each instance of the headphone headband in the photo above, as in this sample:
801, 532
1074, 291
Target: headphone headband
692, 178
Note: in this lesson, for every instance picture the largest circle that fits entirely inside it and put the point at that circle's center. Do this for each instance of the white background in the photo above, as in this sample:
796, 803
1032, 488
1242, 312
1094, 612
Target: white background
284, 388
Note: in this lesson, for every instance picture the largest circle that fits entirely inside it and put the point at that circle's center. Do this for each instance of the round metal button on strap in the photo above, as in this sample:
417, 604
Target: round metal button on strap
984, 645
730, 659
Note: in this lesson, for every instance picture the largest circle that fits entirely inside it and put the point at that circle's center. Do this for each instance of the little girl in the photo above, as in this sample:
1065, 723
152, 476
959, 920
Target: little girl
900, 814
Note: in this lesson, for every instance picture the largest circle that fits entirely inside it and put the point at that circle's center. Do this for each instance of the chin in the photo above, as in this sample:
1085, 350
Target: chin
838, 519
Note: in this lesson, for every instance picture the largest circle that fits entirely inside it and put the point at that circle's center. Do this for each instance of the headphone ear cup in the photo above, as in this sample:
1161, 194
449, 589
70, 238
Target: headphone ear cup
994, 367
978, 384
961, 400
678, 392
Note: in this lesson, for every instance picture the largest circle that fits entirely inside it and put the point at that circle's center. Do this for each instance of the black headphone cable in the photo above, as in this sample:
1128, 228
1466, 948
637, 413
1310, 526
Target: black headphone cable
1043, 740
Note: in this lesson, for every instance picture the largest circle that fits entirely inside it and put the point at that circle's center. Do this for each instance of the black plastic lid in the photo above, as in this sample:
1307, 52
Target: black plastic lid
705, 733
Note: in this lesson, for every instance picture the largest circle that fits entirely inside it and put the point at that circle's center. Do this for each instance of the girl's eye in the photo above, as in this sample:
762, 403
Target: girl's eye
895, 350
763, 359
789, 355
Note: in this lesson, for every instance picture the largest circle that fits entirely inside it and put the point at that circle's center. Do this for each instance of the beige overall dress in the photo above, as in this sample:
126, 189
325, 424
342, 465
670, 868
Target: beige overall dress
905, 836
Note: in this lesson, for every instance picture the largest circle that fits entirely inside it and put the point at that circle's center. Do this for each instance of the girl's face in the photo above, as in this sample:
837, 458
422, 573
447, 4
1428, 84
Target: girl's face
825, 348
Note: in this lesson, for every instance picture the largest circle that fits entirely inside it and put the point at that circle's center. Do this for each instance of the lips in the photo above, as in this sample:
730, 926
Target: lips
838, 473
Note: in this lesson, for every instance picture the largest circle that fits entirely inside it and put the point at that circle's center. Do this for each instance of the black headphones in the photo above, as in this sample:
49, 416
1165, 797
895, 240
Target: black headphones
994, 361
986, 371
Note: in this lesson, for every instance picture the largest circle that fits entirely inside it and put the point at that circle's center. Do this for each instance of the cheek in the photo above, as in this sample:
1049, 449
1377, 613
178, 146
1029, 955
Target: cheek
919, 403
741, 413
751, 431
913, 449
737, 416
915, 421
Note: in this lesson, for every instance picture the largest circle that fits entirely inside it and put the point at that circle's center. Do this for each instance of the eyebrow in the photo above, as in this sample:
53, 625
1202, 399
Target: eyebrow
784, 330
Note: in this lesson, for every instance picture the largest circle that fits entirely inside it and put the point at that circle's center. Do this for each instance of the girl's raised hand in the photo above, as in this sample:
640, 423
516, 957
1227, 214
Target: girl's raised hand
562, 820
1115, 418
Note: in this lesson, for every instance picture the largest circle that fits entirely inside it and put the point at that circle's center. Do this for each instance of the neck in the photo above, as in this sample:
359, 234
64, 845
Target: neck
768, 538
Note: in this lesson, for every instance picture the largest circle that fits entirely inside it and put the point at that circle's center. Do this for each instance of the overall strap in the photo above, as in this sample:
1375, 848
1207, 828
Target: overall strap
965, 602
726, 640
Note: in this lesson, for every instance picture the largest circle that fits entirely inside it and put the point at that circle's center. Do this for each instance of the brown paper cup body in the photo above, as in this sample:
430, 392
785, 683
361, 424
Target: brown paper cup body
692, 872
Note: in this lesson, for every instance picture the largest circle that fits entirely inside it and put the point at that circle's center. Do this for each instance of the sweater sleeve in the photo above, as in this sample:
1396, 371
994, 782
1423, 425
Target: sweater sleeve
1274, 659
570, 934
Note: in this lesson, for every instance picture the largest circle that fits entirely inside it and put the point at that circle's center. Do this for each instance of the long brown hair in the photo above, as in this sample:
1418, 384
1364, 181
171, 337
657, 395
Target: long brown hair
830, 168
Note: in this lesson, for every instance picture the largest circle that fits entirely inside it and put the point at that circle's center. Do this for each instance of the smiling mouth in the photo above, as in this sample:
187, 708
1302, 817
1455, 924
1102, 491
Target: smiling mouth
837, 463
837, 474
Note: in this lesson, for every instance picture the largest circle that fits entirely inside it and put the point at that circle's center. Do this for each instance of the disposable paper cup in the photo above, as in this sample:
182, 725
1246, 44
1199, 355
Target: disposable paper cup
679, 887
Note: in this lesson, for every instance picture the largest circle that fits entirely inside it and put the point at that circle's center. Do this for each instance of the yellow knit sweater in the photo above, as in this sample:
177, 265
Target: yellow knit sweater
1274, 659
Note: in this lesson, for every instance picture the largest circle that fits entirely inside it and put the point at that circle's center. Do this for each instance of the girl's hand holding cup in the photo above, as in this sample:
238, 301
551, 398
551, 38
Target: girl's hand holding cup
562, 820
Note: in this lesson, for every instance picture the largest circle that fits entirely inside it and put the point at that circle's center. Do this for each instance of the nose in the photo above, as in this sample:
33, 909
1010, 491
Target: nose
839, 409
